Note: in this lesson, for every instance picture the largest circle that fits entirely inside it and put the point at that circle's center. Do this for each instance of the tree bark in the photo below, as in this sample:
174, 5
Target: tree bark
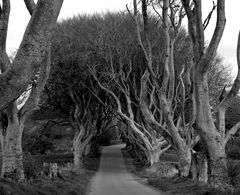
11, 138
155, 154
202, 167
11, 141
212, 139
78, 150
194, 170
80, 122
30, 53
184, 153
81, 140
171, 72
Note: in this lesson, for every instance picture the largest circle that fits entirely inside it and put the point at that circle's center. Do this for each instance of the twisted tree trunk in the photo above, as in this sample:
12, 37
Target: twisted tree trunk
11, 137
31, 52
212, 136
81, 124
212, 139
16, 77
80, 142
11, 141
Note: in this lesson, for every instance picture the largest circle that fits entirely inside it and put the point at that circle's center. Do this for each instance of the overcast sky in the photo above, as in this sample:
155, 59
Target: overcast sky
19, 18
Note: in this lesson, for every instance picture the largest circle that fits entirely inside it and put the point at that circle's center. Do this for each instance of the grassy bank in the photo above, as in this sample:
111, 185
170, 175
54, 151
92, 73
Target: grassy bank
174, 185
69, 183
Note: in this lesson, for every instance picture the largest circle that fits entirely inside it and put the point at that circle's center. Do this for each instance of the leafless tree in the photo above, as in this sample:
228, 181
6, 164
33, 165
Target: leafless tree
212, 135
32, 57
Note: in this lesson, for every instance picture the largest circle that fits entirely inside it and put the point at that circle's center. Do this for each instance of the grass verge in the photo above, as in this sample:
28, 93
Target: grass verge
174, 185
70, 183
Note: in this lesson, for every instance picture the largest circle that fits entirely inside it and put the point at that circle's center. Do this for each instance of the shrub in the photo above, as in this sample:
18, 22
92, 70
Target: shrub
32, 167
38, 145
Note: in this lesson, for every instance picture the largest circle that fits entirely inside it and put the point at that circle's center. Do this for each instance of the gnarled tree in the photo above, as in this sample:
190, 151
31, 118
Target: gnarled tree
31, 57
213, 135
163, 79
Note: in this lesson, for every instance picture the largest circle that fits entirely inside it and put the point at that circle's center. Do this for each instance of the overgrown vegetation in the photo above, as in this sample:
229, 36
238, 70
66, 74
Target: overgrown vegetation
165, 177
68, 183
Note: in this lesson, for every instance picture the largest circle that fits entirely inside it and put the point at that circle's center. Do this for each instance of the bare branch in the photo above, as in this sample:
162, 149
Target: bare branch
30, 4
138, 29
166, 46
4, 18
230, 96
191, 19
207, 20
199, 27
217, 35
145, 110
154, 8
221, 97
31, 52
231, 132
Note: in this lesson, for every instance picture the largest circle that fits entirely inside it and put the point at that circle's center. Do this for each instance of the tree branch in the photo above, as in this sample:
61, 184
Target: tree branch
230, 96
145, 110
191, 19
30, 4
37, 87
217, 35
166, 74
31, 53
199, 27
231, 132
207, 20
4, 18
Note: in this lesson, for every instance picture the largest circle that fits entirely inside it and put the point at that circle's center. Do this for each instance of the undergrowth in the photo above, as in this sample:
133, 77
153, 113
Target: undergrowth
70, 183
170, 185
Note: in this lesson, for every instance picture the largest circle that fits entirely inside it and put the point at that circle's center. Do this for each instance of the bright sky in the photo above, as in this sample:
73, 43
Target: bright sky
19, 18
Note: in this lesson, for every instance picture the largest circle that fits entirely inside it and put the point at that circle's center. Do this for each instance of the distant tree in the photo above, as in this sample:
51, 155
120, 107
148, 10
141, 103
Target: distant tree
119, 76
168, 121
71, 89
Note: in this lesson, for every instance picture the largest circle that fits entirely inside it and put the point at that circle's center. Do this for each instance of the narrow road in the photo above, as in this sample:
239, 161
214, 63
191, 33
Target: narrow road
112, 177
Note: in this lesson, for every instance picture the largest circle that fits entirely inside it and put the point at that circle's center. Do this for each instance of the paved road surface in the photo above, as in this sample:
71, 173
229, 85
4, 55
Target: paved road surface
113, 178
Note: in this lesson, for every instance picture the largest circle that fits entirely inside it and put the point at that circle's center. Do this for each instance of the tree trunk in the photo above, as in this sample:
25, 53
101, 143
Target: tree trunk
212, 139
184, 152
155, 154
199, 163
218, 163
31, 52
171, 73
194, 170
12, 166
153, 157
78, 150
78, 155
184, 159
80, 142
202, 167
